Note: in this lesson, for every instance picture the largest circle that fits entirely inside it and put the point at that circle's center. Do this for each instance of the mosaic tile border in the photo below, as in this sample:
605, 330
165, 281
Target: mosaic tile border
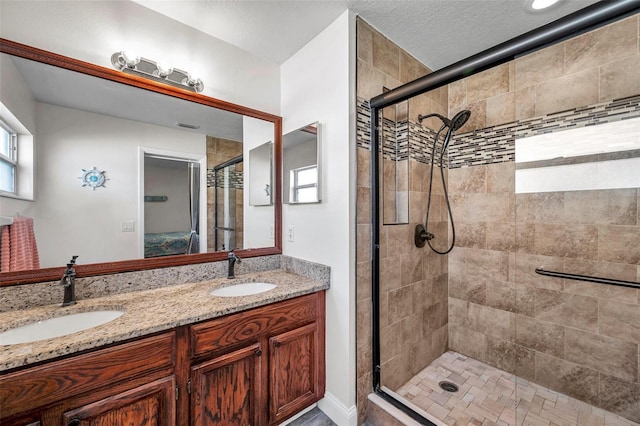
400, 140
236, 179
496, 144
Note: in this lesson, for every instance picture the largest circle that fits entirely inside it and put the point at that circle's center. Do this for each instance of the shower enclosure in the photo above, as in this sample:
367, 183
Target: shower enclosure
533, 317
228, 188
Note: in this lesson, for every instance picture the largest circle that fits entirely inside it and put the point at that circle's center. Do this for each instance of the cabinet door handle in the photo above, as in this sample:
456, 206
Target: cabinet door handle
258, 352
74, 422
276, 344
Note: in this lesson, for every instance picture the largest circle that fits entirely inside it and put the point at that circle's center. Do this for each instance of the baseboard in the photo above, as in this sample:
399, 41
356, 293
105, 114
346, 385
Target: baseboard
337, 411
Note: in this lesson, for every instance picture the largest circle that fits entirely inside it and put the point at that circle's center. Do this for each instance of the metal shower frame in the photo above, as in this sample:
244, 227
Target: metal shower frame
587, 19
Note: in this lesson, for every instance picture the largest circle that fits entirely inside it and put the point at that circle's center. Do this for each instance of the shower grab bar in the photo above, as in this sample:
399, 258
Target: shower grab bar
599, 280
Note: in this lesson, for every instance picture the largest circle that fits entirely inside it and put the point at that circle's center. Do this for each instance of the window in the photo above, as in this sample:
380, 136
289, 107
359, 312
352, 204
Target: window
304, 184
8, 158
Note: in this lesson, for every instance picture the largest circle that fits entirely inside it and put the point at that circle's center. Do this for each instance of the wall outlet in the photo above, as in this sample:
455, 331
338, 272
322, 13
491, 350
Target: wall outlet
128, 226
290, 234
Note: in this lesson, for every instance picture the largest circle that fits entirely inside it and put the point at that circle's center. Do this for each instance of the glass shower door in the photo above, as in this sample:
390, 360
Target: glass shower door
228, 196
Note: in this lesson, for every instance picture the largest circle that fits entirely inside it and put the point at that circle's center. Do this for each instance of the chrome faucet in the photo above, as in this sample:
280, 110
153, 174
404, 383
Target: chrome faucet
69, 282
233, 258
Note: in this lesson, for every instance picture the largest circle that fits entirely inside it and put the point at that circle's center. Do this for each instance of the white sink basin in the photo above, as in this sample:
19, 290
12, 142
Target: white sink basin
245, 289
56, 327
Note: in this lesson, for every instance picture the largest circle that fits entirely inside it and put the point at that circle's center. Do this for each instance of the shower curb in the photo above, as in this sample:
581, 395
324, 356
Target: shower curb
383, 413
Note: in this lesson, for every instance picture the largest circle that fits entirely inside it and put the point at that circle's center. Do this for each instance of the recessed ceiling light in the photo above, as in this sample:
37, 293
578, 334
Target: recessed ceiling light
542, 4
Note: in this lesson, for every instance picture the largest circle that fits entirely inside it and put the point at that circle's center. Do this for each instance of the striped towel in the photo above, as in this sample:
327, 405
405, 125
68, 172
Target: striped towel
18, 249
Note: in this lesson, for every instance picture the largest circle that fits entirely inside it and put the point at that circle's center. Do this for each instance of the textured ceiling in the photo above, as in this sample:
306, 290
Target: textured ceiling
437, 32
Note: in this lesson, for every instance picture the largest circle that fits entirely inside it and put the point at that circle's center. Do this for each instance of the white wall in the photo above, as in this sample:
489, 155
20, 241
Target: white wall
318, 85
93, 30
71, 219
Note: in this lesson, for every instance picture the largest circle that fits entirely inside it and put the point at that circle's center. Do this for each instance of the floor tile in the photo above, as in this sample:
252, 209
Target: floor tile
489, 396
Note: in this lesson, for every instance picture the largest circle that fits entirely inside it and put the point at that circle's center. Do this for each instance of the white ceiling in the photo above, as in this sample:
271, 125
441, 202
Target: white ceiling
436, 32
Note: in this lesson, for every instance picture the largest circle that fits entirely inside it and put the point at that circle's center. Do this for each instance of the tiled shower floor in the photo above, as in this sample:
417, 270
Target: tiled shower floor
488, 396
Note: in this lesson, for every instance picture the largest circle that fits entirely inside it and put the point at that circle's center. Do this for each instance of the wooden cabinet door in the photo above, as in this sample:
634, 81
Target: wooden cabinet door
227, 390
294, 370
152, 404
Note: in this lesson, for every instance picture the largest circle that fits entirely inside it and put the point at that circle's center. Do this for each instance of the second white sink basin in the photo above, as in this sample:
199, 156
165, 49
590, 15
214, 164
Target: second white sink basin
245, 289
57, 326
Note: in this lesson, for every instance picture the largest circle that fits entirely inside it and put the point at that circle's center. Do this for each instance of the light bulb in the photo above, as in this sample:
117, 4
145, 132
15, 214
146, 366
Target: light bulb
194, 82
130, 58
164, 69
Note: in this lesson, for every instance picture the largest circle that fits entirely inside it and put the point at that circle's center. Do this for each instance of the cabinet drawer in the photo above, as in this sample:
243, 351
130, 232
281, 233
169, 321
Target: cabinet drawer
45, 384
248, 326
151, 403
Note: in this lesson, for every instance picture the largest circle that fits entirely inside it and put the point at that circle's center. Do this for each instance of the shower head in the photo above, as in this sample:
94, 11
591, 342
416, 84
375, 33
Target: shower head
455, 124
459, 119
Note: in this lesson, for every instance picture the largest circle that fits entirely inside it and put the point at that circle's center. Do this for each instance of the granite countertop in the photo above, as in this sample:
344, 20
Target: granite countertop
146, 312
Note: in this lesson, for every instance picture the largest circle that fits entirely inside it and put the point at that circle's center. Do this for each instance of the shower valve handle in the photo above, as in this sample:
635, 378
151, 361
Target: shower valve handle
421, 236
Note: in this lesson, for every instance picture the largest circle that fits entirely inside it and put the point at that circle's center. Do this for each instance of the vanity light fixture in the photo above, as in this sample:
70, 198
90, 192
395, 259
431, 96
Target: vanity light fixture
162, 72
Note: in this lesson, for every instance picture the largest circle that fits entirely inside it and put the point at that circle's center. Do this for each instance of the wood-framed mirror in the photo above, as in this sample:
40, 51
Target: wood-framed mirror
155, 135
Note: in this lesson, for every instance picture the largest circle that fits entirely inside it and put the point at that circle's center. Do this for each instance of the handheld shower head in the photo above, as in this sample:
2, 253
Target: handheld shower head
459, 120
455, 124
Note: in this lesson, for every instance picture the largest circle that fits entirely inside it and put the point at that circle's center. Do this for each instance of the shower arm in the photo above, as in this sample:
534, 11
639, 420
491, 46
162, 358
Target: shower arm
445, 120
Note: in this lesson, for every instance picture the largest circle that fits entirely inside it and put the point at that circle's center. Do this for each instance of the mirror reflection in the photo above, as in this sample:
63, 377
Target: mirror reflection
301, 165
111, 172
261, 171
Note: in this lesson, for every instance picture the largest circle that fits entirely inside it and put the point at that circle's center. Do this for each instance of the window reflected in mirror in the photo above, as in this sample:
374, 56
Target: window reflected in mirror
301, 160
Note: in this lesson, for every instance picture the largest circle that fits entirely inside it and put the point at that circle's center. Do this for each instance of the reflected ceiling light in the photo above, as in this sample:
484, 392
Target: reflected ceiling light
160, 71
542, 4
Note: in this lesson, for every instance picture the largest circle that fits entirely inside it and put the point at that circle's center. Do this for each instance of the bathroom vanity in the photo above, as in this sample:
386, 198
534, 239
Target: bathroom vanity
178, 354
253, 360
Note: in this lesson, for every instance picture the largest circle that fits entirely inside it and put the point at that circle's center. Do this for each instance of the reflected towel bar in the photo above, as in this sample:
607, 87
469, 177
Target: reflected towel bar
599, 280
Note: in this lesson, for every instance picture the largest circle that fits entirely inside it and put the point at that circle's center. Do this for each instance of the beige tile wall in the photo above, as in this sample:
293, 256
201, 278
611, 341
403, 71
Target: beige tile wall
598, 66
414, 284
572, 336
579, 338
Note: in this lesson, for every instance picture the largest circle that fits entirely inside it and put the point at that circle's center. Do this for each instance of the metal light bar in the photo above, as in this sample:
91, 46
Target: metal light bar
155, 71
